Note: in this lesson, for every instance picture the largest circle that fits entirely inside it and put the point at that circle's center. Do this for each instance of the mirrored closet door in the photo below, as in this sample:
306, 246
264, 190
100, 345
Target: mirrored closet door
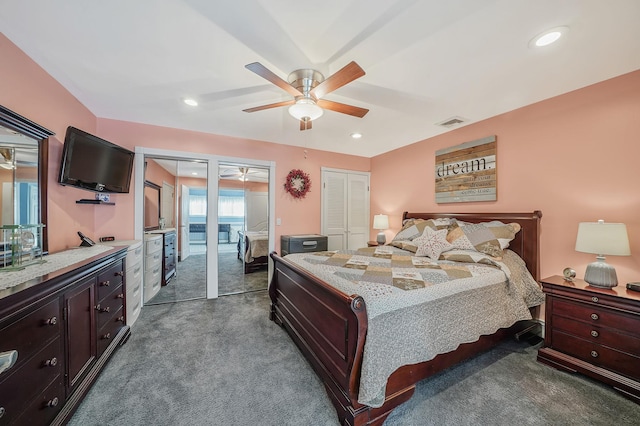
175, 212
243, 228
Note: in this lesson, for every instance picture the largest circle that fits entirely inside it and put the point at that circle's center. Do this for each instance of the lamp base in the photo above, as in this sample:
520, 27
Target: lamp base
601, 274
381, 238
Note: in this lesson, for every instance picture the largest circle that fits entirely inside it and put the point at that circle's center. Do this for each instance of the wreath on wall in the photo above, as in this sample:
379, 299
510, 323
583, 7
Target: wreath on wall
297, 184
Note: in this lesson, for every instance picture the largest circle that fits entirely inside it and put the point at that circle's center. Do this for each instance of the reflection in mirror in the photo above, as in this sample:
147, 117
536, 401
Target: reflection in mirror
151, 206
243, 209
23, 172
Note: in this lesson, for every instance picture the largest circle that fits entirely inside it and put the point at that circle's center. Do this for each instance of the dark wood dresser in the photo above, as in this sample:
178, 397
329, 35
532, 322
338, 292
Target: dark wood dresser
170, 250
64, 326
593, 331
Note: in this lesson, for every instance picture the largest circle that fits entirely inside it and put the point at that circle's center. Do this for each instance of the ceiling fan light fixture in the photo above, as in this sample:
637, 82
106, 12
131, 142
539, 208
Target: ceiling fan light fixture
305, 108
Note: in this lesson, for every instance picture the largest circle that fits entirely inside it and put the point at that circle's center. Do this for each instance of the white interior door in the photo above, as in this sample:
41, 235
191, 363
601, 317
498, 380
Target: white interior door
168, 205
357, 211
345, 209
257, 214
184, 223
334, 209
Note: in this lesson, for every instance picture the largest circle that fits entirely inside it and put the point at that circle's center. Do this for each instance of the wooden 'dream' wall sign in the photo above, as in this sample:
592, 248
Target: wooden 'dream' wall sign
467, 172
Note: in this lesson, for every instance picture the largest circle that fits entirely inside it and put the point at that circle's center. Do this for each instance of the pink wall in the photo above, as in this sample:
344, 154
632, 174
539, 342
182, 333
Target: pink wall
298, 216
575, 157
28, 90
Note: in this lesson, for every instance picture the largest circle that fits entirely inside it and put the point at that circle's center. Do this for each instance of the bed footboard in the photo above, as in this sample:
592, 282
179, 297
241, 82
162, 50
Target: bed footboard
329, 328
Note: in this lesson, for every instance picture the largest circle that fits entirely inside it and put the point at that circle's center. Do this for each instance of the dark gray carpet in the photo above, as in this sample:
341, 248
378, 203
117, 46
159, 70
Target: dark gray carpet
222, 362
190, 279
232, 279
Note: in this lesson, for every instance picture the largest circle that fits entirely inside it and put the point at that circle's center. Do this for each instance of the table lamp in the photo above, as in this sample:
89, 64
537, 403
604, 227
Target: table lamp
602, 239
381, 222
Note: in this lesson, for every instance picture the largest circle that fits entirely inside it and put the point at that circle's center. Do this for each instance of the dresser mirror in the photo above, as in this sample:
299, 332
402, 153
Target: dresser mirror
23, 172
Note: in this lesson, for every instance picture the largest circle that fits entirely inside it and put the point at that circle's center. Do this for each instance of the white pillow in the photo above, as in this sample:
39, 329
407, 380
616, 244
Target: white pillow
432, 243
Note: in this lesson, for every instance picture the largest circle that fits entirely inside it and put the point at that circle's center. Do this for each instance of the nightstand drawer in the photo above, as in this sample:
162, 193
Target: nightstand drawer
597, 315
595, 354
599, 335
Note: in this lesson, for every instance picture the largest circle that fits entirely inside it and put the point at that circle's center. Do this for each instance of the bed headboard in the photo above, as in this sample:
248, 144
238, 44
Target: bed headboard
526, 243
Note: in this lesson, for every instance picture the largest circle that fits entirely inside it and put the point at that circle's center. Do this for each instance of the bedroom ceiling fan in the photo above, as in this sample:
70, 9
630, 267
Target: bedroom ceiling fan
308, 86
237, 172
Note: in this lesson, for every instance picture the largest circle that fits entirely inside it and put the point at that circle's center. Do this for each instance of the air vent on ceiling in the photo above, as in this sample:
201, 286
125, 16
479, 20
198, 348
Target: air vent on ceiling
451, 122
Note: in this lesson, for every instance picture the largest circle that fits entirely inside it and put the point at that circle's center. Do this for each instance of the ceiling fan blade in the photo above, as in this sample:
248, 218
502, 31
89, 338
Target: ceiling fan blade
342, 108
345, 75
277, 104
263, 72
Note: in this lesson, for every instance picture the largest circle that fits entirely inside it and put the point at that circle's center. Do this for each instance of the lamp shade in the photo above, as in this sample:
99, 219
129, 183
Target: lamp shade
603, 238
381, 221
305, 108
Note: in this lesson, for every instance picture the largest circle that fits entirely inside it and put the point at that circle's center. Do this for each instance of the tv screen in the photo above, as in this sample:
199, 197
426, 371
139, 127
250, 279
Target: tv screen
95, 164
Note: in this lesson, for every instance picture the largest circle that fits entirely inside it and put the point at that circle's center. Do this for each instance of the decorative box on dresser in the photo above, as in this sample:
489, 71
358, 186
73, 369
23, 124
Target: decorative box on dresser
134, 267
593, 331
63, 322
152, 265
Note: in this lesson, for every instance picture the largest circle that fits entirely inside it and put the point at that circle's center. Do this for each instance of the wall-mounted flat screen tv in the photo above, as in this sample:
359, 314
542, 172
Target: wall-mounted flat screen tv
94, 164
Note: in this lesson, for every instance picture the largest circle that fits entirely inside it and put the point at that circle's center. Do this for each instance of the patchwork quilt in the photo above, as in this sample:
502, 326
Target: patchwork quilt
418, 308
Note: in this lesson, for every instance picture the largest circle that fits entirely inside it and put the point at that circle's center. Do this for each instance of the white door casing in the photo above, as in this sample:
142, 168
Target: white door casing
184, 223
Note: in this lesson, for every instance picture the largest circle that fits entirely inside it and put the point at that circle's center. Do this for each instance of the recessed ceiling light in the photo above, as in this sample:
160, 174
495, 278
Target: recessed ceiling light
194, 173
356, 135
191, 102
548, 37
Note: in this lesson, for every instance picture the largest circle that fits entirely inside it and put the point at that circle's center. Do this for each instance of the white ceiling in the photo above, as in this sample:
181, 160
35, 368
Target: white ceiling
425, 61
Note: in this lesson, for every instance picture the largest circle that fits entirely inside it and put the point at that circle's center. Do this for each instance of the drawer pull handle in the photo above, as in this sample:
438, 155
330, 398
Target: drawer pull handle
107, 336
52, 321
121, 318
51, 362
105, 283
594, 354
594, 317
120, 296
594, 333
594, 299
53, 402
100, 309
2, 410
119, 274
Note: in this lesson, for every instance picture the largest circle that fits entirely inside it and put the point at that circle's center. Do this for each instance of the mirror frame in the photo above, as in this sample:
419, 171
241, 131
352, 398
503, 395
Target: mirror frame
20, 124
149, 184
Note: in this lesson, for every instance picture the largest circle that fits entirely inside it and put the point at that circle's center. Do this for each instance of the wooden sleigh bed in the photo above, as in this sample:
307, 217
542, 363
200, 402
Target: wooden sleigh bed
330, 327
253, 250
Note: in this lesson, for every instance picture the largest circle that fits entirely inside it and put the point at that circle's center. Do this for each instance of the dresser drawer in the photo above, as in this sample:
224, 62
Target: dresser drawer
597, 315
596, 354
134, 277
45, 406
28, 334
108, 307
109, 280
133, 308
153, 244
134, 256
40, 371
151, 261
107, 333
596, 334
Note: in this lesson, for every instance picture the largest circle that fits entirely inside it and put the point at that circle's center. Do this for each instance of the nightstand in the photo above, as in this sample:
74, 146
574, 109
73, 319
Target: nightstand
593, 331
372, 244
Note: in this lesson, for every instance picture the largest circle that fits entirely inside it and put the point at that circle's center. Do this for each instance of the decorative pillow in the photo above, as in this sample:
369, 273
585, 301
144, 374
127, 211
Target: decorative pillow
413, 228
488, 237
432, 243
